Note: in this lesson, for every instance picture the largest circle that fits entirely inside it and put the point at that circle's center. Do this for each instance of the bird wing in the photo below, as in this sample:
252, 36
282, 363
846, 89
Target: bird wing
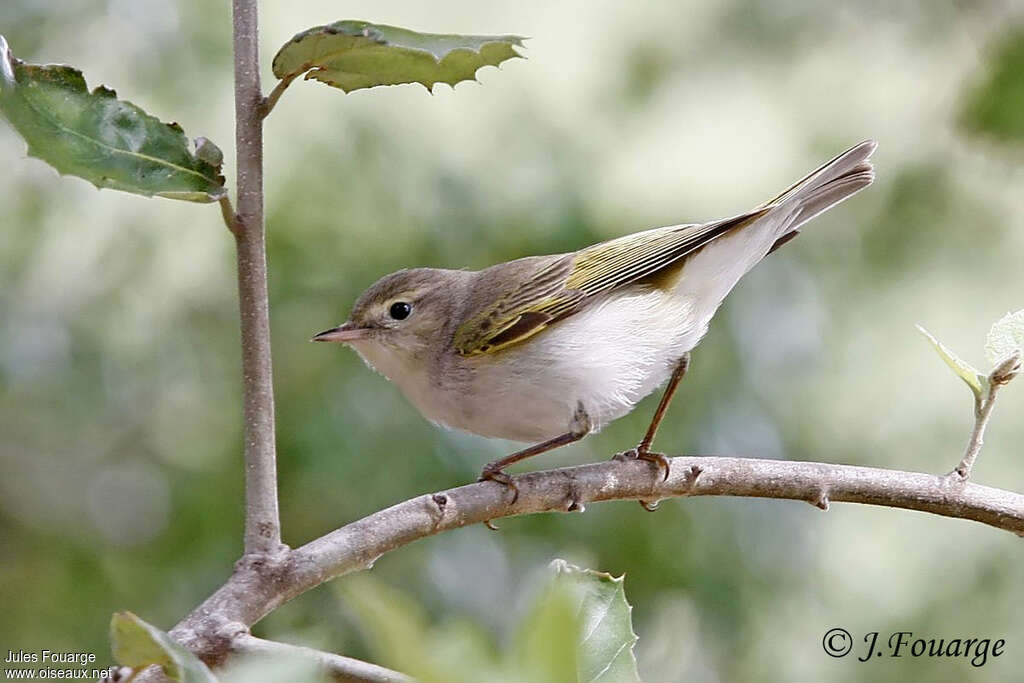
565, 286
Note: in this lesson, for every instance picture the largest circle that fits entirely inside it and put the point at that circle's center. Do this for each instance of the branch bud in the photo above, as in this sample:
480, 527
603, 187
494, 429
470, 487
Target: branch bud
1007, 369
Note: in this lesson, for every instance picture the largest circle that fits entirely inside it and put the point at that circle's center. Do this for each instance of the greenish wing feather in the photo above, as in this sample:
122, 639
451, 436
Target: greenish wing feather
519, 313
565, 286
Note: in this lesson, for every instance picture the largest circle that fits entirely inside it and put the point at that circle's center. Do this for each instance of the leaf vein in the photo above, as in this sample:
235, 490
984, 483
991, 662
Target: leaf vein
611, 661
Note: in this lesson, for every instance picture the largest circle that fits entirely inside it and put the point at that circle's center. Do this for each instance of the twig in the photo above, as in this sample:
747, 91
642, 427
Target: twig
337, 667
227, 212
270, 100
254, 590
983, 404
262, 523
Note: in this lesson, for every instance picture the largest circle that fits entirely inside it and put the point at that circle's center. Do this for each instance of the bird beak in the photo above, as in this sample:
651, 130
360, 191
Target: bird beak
344, 333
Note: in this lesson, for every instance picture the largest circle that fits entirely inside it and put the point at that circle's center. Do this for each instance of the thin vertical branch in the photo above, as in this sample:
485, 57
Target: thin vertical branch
262, 523
983, 404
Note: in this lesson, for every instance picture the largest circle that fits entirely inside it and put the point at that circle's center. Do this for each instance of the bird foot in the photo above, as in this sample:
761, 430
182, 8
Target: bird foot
501, 477
642, 453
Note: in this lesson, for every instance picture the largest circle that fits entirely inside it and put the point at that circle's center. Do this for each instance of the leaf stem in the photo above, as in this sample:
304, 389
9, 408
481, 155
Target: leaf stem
262, 522
227, 212
268, 103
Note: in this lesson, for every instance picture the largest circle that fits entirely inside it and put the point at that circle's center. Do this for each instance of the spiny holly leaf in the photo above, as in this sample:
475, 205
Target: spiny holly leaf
357, 54
1005, 337
138, 645
107, 141
606, 639
964, 370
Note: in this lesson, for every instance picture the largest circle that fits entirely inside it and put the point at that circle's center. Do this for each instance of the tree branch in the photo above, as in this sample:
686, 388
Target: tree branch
256, 588
262, 522
336, 667
983, 404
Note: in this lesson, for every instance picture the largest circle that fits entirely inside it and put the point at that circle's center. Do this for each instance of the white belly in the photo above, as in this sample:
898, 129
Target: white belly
606, 358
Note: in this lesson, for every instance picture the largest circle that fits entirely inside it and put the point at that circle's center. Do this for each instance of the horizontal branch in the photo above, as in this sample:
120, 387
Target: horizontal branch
357, 545
260, 585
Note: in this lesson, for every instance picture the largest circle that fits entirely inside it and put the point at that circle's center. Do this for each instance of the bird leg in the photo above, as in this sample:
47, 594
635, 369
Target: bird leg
578, 428
643, 450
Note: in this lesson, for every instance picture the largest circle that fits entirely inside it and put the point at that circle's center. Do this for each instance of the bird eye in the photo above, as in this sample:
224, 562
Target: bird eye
400, 310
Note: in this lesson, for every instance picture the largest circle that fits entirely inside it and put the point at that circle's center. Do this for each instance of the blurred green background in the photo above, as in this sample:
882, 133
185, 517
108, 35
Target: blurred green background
120, 451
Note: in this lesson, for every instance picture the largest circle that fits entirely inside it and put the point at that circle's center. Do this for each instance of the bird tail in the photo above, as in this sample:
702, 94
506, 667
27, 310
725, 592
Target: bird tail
826, 186
712, 271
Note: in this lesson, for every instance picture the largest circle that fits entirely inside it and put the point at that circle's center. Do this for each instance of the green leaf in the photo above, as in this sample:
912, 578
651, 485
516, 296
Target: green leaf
400, 635
95, 136
396, 627
974, 379
578, 629
996, 105
1005, 337
357, 54
545, 648
605, 640
138, 645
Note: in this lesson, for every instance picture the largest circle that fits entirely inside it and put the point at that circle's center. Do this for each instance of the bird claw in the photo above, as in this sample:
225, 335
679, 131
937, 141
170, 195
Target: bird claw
641, 453
659, 459
501, 478
649, 505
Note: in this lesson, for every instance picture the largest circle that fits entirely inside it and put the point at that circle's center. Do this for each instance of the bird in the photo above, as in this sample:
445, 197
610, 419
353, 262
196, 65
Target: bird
548, 349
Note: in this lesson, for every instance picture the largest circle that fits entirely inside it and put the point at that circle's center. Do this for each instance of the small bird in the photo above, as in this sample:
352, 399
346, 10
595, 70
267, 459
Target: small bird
547, 349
